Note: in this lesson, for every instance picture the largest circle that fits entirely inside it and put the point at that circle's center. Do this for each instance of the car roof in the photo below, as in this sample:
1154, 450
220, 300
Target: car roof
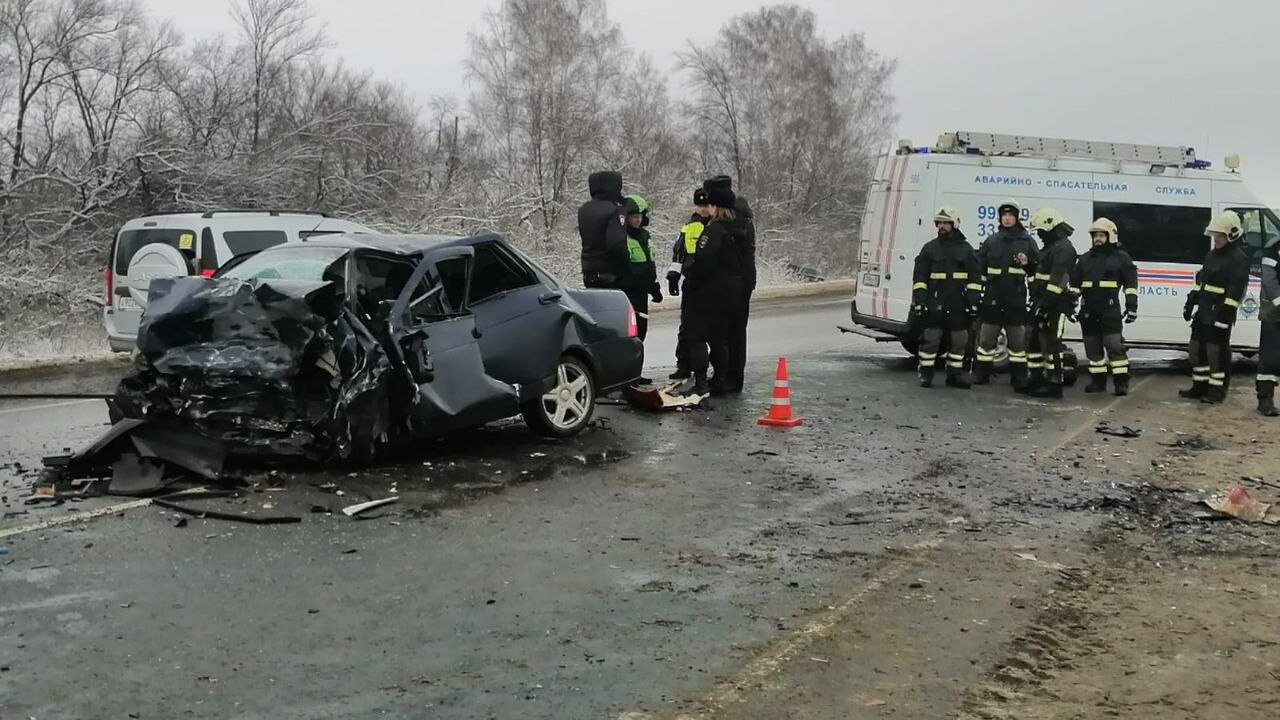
398, 244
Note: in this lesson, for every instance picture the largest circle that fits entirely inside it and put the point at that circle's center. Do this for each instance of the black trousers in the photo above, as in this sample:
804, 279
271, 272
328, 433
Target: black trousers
1210, 354
739, 314
705, 324
640, 303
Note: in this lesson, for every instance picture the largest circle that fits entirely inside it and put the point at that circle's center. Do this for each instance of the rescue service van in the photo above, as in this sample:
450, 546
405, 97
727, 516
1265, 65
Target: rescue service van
1160, 197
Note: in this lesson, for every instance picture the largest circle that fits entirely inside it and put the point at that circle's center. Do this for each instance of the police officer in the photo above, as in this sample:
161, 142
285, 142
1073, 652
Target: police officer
641, 279
1006, 258
1211, 309
686, 245
1051, 302
744, 237
945, 297
711, 275
602, 228
1097, 282
1269, 349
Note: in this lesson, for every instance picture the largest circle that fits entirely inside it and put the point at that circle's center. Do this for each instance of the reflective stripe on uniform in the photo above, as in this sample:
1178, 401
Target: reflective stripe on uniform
985, 355
1268, 378
1086, 284
1042, 276
1016, 271
955, 361
974, 286
1098, 367
1276, 301
1019, 358
1214, 289
1217, 382
1231, 302
1120, 367
1108, 284
1196, 287
642, 316
959, 276
926, 357
692, 231
1131, 291
1055, 289
994, 271
1269, 262
920, 286
938, 276
1221, 325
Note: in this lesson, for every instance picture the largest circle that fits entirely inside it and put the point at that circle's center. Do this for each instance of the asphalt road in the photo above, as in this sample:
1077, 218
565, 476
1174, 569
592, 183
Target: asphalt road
657, 566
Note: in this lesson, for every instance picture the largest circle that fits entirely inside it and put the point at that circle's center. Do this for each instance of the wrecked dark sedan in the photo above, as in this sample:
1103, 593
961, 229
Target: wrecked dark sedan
346, 345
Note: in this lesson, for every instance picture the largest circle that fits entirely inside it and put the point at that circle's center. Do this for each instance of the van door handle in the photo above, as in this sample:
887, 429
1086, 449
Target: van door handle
548, 298
475, 333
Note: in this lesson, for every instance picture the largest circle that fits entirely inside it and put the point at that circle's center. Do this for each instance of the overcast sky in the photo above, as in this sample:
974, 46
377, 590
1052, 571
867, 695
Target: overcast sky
1173, 72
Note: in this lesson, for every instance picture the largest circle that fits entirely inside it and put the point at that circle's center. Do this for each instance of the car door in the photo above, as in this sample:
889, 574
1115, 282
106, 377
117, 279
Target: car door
436, 336
519, 319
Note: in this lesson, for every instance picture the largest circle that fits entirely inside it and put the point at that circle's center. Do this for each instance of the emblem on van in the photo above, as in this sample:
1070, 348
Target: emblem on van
1249, 306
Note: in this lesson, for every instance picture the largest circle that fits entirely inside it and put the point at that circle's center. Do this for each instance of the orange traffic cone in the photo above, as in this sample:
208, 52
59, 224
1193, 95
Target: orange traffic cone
780, 411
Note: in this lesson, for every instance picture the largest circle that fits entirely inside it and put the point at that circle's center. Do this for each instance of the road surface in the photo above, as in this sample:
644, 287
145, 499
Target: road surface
904, 551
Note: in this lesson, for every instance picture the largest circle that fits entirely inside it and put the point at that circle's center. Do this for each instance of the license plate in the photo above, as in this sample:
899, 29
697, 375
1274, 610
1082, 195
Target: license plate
126, 302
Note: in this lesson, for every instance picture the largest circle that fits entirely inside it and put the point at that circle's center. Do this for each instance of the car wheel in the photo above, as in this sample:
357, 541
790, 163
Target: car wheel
565, 409
909, 344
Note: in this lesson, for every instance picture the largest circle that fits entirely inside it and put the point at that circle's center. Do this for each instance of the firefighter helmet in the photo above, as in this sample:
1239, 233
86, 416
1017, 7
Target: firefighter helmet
1011, 206
1228, 223
1046, 219
947, 214
1103, 225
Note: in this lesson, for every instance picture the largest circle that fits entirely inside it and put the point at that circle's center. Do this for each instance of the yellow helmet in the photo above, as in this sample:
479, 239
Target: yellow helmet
1103, 225
1011, 205
947, 214
1227, 223
1046, 219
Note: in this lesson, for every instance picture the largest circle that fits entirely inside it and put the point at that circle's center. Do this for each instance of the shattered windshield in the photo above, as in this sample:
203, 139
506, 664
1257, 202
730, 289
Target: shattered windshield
287, 263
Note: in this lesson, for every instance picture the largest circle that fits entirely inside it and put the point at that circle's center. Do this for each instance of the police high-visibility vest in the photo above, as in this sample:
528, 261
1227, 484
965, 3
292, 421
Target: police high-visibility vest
692, 231
636, 250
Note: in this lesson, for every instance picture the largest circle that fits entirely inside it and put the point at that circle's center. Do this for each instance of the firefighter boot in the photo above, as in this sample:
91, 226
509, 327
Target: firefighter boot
1050, 386
1018, 378
1196, 391
1215, 395
700, 385
681, 373
982, 373
958, 378
1122, 385
926, 376
1267, 399
1098, 383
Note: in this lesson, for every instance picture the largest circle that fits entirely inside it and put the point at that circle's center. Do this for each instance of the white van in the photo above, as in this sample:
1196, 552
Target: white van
1160, 197
180, 244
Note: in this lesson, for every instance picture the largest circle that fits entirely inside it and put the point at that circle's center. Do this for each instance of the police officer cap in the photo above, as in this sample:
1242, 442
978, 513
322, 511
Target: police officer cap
720, 191
700, 197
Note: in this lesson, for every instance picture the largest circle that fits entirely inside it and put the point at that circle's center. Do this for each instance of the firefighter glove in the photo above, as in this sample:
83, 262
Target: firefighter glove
1188, 312
673, 284
1130, 316
655, 293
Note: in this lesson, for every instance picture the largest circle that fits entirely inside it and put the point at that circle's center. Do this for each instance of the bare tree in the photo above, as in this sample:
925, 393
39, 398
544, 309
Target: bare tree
276, 33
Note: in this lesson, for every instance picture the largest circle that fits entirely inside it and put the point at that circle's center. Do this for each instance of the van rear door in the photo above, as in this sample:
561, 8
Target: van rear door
143, 254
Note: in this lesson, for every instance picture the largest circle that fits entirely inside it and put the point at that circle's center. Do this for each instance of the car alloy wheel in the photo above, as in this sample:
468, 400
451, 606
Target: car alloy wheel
567, 407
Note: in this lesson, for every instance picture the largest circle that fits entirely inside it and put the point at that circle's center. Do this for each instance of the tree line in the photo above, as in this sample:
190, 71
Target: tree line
107, 113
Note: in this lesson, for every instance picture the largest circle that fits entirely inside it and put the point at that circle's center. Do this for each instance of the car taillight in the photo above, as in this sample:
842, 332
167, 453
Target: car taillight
106, 276
633, 330
206, 273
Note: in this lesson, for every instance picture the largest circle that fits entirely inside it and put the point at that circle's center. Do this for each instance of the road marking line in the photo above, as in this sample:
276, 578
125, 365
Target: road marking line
46, 406
78, 517
1092, 420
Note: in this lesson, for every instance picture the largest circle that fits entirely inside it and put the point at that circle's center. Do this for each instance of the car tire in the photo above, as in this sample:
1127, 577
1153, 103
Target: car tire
566, 409
910, 345
1070, 368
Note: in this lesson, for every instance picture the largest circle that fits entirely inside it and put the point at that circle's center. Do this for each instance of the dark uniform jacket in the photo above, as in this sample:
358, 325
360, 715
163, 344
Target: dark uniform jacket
1220, 287
1271, 283
1099, 277
1004, 298
602, 227
948, 281
713, 271
1049, 288
744, 234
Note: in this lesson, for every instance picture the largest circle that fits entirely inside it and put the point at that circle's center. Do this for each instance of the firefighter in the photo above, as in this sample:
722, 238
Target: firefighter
744, 236
945, 297
1211, 309
711, 275
641, 279
602, 228
686, 245
1099, 277
1269, 348
1005, 257
1051, 302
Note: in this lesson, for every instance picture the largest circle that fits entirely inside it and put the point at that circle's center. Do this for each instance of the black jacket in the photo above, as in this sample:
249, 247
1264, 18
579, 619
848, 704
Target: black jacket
947, 278
1099, 277
1049, 288
602, 227
1220, 287
744, 234
1271, 284
713, 270
1005, 281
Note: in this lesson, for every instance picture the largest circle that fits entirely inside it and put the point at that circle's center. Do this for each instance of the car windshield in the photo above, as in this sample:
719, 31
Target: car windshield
287, 263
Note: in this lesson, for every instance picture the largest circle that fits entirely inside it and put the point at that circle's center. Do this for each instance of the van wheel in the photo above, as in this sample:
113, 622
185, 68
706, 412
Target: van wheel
565, 409
910, 345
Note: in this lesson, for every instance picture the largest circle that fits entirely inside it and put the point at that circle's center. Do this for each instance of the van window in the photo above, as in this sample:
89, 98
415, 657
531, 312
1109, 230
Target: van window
1260, 230
131, 241
1159, 233
247, 241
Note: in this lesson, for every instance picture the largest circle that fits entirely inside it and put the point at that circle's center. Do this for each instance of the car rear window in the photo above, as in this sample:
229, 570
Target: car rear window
288, 263
247, 241
129, 242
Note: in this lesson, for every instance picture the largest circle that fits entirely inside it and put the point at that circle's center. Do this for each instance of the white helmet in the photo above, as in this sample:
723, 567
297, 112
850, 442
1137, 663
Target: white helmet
947, 214
1227, 223
1103, 225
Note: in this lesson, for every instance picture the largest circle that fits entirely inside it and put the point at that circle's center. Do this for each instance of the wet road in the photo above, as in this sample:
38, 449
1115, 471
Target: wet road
646, 568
